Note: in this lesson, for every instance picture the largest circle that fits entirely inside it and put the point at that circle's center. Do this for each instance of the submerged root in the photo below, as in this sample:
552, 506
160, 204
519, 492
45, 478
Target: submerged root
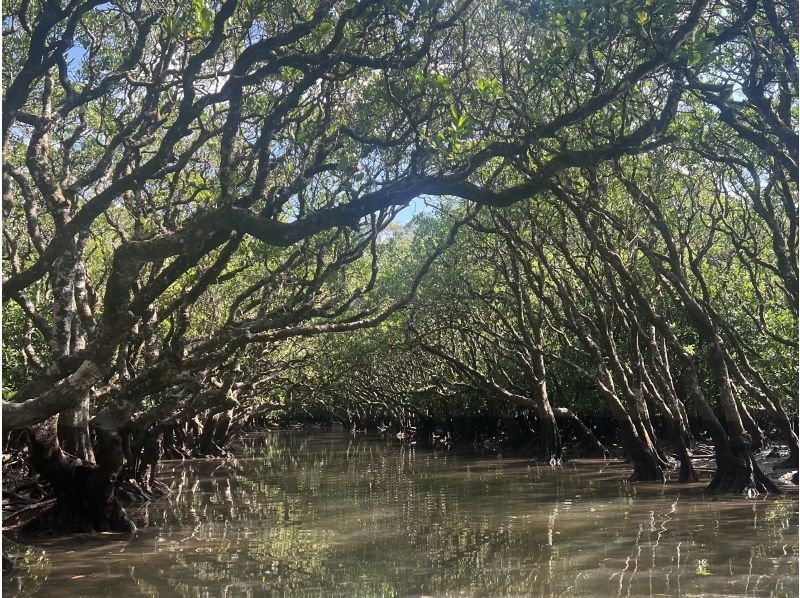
81, 507
27, 513
647, 474
70, 517
131, 492
647, 468
687, 473
739, 472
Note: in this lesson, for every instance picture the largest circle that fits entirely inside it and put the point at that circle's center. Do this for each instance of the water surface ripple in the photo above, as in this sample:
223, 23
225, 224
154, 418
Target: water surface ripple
325, 514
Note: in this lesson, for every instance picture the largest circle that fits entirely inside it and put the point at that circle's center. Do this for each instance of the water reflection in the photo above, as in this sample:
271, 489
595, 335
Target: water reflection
326, 514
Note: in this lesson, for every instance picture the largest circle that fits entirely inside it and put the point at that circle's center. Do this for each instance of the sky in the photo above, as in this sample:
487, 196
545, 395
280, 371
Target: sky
416, 206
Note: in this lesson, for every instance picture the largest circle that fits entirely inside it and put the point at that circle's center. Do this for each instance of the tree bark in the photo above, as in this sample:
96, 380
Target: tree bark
591, 445
550, 440
736, 468
642, 453
85, 500
73, 431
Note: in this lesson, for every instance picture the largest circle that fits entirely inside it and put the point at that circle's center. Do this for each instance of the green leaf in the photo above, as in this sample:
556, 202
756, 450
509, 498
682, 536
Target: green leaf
203, 17
441, 81
489, 86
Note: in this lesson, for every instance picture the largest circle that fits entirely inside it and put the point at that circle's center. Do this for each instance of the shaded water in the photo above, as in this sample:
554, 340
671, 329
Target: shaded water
331, 515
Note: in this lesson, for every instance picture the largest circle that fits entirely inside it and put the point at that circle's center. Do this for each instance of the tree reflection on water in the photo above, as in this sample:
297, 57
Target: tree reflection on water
327, 514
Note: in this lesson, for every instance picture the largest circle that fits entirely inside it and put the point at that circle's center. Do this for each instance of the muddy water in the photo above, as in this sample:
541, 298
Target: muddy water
333, 515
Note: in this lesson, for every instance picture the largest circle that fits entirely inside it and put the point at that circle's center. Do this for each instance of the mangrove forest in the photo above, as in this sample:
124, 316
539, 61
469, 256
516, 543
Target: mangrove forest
400, 297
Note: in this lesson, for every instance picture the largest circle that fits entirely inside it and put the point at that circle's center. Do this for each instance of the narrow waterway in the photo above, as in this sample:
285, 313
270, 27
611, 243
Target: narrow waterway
323, 514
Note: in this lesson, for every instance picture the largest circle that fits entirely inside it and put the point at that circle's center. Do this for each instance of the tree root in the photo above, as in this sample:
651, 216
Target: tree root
741, 473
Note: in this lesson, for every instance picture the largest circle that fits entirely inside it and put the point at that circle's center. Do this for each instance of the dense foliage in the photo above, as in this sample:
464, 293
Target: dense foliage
200, 220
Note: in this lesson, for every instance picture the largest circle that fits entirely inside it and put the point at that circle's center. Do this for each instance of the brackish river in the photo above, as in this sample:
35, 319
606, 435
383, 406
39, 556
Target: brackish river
324, 514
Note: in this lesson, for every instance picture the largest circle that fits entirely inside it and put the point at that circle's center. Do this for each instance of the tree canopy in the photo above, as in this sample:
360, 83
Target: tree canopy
198, 196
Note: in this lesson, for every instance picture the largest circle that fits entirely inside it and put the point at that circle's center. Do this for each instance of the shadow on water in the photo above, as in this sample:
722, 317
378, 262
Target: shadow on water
326, 514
